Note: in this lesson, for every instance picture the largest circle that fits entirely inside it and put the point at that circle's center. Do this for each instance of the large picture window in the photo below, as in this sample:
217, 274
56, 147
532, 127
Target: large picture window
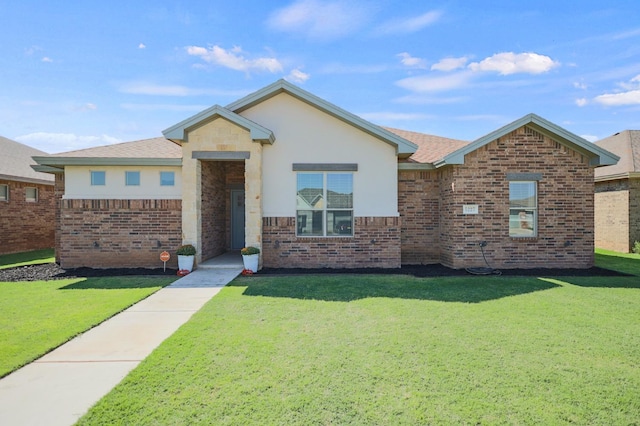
324, 204
523, 209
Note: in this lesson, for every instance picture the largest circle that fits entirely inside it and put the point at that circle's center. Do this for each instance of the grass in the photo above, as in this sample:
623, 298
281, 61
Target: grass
41, 315
26, 258
396, 350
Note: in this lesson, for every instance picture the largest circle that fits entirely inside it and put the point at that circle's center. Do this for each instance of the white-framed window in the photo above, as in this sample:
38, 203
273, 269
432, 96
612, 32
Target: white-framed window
523, 209
167, 178
98, 178
132, 178
31, 194
4, 192
324, 204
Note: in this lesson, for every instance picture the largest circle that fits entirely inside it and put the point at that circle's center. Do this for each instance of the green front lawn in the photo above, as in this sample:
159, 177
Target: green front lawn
392, 350
27, 258
40, 316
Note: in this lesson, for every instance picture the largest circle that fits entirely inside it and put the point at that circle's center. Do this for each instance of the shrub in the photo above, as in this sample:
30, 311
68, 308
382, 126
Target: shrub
249, 250
636, 247
186, 250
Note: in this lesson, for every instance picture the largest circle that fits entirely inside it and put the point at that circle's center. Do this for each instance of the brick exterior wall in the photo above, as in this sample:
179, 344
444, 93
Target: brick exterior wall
375, 244
218, 179
565, 206
119, 233
24, 225
419, 208
617, 214
214, 207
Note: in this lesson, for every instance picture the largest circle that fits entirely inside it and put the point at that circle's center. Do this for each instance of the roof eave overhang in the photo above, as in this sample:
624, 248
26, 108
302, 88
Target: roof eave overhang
60, 162
415, 166
404, 148
597, 156
27, 179
180, 132
618, 176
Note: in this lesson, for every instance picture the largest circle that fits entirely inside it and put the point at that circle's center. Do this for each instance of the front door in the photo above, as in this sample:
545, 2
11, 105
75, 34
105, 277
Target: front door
237, 220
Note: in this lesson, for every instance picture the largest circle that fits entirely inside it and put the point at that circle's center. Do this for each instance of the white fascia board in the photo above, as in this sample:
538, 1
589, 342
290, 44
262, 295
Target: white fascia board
178, 132
598, 156
404, 148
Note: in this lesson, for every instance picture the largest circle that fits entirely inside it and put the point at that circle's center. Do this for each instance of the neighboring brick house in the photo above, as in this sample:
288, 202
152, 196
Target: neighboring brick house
313, 185
617, 199
27, 205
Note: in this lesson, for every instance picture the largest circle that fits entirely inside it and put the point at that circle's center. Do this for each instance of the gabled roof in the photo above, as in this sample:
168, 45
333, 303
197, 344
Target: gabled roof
626, 144
598, 156
16, 162
147, 152
403, 147
179, 132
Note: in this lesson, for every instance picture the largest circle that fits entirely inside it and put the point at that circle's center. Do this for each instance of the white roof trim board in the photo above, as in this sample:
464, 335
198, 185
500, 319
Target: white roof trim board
404, 148
597, 155
180, 132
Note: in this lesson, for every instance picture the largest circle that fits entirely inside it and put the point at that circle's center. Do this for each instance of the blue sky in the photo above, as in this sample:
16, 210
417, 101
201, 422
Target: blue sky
84, 73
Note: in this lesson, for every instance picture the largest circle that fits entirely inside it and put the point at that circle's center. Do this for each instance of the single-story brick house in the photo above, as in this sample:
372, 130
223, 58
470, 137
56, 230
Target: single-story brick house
313, 185
27, 205
617, 199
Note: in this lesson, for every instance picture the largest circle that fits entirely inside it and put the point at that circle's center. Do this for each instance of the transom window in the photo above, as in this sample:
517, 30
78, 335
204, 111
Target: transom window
4, 192
523, 209
98, 178
324, 205
31, 194
167, 178
132, 178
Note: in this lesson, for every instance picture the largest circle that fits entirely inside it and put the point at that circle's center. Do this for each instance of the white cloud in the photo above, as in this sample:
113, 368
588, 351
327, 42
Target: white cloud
579, 85
590, 138
423, 84
392, 116
411, 61
152, 89
320, 20
62, 142
618, 99
513, 63
234, 59
142, 46
582, 102
297, 76
412, 24
450, 64
47, 59
630, 95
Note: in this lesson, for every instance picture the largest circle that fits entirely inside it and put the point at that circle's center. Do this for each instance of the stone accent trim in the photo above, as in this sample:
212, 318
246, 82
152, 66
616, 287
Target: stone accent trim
375, 244
118, 233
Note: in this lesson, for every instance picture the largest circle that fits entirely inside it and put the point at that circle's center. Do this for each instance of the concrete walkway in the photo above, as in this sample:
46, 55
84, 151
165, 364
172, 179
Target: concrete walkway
60, 387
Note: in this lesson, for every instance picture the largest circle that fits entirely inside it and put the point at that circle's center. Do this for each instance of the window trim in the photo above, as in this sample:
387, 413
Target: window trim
524, 219
130, 173
94, 173
33, 199
326, 209
5, 197
173, 178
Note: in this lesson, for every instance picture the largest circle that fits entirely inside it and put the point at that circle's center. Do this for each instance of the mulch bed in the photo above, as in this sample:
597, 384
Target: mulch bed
52, 271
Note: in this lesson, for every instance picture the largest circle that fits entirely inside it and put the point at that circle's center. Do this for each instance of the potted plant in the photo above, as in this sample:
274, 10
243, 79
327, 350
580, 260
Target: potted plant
186, 254
250, 257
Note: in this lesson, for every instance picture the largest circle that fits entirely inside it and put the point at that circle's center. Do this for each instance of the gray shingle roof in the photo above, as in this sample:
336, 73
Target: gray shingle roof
626, 145
146, 148
16, 161
430, 147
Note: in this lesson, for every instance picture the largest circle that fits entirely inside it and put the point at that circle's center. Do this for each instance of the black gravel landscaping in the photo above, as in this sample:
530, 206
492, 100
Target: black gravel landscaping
52, 271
